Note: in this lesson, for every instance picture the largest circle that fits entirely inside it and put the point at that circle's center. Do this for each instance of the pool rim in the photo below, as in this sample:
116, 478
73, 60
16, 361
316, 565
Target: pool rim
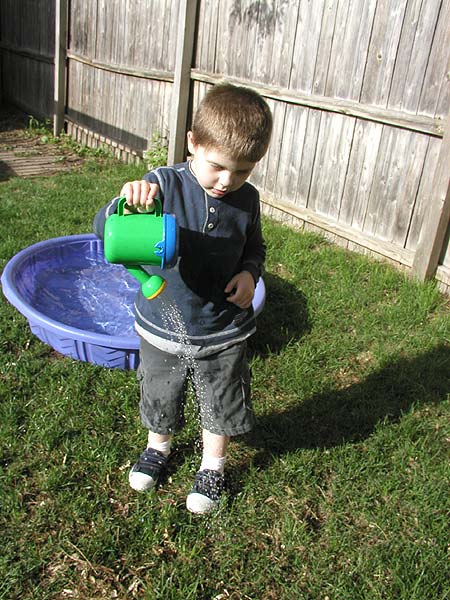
40, 319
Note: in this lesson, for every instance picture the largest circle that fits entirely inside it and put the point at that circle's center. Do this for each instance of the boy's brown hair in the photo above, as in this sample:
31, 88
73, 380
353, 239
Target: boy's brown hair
235, 120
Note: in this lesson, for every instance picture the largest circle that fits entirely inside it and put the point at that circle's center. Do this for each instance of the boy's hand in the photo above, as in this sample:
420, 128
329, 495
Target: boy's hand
140, 194
241, 289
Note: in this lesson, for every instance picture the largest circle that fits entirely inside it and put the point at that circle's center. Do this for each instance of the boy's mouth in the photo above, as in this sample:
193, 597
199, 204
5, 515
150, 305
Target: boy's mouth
219, 192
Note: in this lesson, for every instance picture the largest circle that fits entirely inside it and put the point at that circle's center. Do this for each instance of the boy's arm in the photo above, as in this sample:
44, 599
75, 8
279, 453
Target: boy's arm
241, 288
102, 215
254, 253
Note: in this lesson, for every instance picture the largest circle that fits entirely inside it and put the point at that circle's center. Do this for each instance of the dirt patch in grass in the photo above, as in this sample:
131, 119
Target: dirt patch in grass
27, 152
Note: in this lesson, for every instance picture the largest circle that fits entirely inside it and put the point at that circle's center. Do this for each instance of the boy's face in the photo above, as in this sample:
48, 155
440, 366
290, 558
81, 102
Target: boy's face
216, 172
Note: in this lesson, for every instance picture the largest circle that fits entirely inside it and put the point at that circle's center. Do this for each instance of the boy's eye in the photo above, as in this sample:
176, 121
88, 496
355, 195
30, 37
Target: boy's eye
220, 168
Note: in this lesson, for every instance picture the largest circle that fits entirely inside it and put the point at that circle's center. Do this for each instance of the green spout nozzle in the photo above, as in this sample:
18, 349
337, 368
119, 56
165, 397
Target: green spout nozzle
151, 285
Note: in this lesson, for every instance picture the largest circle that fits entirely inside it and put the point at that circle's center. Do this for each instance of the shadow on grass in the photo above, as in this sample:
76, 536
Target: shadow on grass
351, 414
284, 318
6, 171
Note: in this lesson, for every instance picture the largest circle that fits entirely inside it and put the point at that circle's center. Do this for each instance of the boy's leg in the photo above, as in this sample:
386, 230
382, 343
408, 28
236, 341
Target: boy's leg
214, 451
162, 383
222, 383
162, 443
209, 481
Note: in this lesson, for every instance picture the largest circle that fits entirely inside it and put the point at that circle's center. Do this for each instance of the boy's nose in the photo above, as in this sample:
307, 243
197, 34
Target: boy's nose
225, 179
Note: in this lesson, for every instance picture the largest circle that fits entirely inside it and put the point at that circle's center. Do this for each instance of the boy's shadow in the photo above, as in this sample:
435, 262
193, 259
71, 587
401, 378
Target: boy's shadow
352, 413
345, 414
284, 318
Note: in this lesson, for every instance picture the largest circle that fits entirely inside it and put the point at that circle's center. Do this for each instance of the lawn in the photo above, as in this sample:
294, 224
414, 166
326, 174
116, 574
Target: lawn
340, 493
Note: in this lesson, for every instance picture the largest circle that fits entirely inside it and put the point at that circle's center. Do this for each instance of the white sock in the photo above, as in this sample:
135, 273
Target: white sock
213, 463
163, 447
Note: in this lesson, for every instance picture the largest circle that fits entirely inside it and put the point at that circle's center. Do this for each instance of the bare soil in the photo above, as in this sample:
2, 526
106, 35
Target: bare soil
27, 153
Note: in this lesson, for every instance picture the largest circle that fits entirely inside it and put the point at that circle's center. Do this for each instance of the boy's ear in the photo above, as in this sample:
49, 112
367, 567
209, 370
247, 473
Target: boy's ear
190, 142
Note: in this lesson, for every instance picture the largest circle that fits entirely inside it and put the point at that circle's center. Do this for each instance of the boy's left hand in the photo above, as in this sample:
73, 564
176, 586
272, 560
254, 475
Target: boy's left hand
241, 289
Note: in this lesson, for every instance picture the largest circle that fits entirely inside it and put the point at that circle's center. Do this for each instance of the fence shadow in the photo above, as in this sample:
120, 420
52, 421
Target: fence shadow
5, 171
12, 118
284, 318
351, 414
102, 128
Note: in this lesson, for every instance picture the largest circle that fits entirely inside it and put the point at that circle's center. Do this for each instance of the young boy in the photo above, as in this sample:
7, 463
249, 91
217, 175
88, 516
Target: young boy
209, 292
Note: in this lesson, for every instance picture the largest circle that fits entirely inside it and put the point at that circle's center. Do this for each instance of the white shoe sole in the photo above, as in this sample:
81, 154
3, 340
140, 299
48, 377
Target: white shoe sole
199, 504
140, 481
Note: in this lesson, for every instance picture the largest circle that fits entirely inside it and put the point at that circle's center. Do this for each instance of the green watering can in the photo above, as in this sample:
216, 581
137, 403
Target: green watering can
139, 239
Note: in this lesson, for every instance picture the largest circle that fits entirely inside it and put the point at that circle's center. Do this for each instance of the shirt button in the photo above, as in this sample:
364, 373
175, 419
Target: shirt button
212, 209
210, 225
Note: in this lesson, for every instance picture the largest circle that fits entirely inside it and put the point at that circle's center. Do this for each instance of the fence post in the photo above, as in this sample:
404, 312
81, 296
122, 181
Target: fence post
182, 80
434, 229
61, 24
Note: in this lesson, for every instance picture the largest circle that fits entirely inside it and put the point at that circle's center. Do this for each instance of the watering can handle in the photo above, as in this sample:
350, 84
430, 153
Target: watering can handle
122, 205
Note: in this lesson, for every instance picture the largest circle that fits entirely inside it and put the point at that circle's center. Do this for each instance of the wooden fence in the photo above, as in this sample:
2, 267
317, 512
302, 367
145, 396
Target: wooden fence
359, 90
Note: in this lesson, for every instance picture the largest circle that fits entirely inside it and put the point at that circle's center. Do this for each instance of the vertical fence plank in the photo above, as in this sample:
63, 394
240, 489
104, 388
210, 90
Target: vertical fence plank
349, 49
330, 169
439, 55
61, 22
424, 194
301, 38
324, 45
182, 80
433, 234
361, 167
382, 52
412, 54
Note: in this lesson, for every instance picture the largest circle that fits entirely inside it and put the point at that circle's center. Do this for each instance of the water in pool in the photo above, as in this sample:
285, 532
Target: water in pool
97, 298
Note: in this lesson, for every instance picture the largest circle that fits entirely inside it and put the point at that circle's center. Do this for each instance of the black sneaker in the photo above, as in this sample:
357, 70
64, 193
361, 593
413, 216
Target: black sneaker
207, 490
146, 471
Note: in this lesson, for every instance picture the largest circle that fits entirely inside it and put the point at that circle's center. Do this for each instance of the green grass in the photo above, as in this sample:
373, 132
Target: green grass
341, 492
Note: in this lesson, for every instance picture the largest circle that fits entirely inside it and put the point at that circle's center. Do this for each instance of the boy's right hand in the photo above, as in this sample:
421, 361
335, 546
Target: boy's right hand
140, 194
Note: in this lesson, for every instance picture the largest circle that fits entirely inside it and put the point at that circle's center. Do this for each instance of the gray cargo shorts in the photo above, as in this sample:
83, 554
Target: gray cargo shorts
221, 382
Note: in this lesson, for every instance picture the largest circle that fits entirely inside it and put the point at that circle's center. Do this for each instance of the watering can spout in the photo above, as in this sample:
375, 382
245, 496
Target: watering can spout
151, 285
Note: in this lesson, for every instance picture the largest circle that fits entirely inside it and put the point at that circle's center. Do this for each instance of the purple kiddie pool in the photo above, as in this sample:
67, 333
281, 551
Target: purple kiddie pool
77, 302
